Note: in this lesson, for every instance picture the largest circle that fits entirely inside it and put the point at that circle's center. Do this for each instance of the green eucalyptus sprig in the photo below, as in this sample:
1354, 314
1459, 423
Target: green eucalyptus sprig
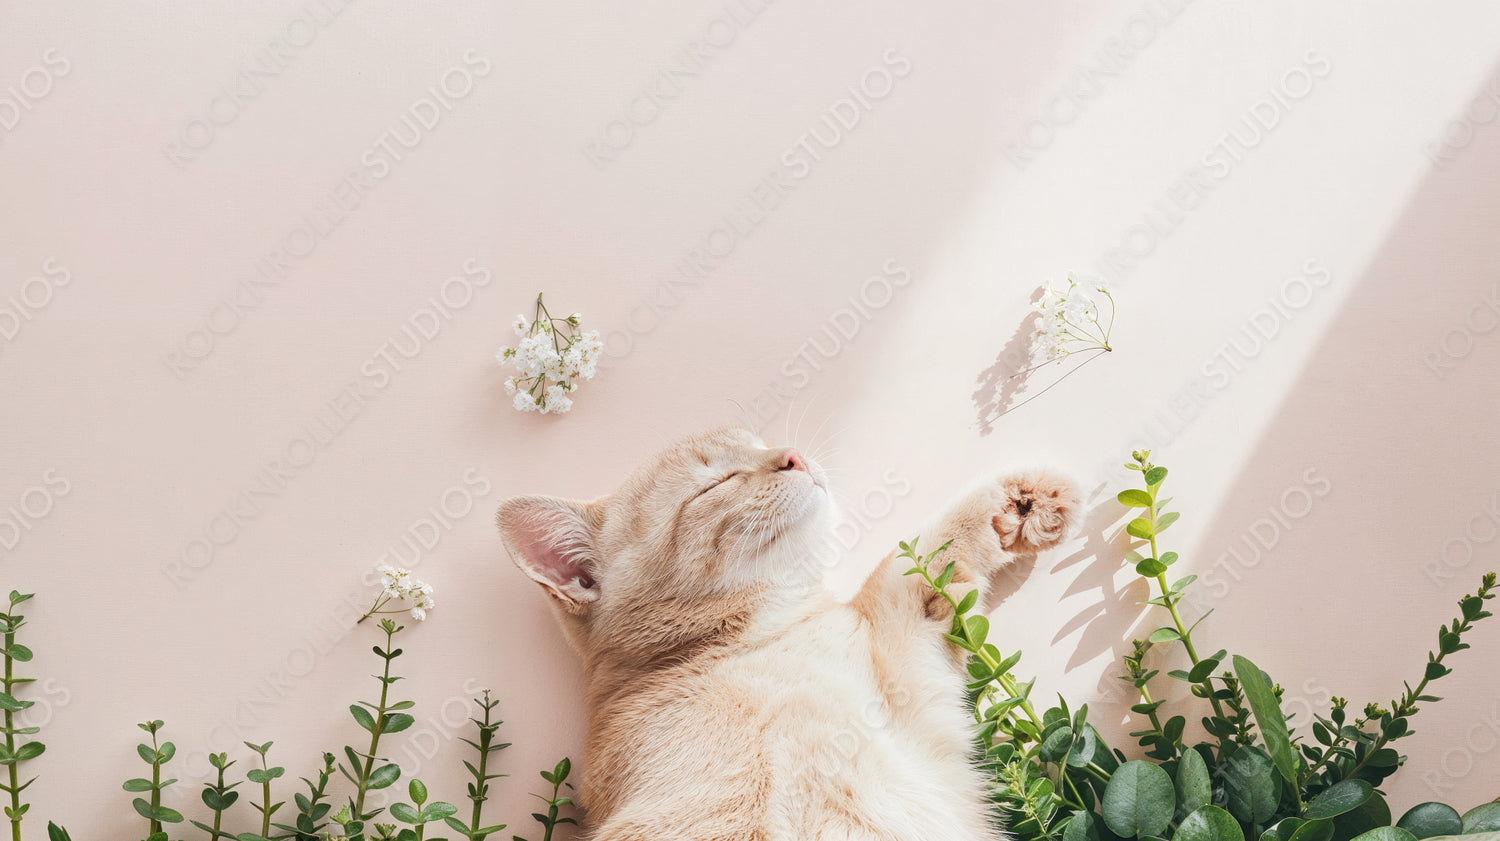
218, 797
419, 812
1350, 751
311, 810
987, 666
557, 777
1254, 779
1018, 744
15, 752
263, 776
1154, 567
157, 755
378, 719
480, 787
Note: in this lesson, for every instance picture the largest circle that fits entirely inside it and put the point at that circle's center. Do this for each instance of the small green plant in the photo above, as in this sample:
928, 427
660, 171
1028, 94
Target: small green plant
479, 789
157, 755
557, 777
311, 810
218, 797
1055, 778
377, 719
419, 812
263, 776
365, 770
15, 752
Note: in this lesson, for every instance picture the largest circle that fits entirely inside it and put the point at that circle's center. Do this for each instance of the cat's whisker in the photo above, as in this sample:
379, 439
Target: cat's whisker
797, 435
744, 414
813, 445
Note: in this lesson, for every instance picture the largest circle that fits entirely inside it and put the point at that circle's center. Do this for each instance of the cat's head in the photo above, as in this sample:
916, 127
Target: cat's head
713, 515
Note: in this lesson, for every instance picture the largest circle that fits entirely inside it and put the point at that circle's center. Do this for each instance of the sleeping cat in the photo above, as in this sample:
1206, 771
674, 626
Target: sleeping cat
730, 698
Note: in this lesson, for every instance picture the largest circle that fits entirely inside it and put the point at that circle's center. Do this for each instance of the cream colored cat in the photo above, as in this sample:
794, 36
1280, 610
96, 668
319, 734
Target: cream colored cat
729, 697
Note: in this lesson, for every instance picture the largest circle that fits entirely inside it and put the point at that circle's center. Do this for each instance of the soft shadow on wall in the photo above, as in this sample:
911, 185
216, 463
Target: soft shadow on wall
1369, 505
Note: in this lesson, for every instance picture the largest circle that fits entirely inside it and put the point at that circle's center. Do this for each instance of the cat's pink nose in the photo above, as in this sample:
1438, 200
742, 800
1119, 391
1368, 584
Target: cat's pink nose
792, 460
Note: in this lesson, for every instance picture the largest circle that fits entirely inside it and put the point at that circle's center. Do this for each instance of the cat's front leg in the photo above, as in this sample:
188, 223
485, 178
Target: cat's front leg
1017, 514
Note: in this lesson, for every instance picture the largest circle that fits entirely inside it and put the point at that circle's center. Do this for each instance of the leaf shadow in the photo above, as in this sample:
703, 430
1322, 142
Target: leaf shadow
1106, 623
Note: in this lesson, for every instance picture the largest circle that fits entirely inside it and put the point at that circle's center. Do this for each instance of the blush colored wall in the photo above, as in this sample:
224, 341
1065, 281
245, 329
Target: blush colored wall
214, 237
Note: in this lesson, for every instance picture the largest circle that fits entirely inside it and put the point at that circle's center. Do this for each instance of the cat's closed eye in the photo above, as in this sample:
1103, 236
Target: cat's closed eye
719, 482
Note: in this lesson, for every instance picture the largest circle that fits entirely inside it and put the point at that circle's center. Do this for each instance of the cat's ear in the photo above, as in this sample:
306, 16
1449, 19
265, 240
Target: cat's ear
552, 540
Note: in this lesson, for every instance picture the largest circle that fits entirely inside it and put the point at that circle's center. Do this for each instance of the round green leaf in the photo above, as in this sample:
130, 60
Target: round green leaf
1090, 747
1371, 814
1194, 786
1313, 831
1253, 785
1150, 567
362, 717
1083, 826
1386, 833
438, 811
1139, 799
1140, 527
396, 722
1055, 745
1339, 798
137, 784
1482, 818
417, 790
1209, 823
219, 802
30, 750
1134, 498
384, 776
404, 813
1426, 820
1283, 830
1155, 475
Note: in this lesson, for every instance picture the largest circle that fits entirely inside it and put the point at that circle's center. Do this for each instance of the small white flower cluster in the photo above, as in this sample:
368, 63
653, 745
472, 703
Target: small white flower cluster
550, 349
401, 584
1070, 318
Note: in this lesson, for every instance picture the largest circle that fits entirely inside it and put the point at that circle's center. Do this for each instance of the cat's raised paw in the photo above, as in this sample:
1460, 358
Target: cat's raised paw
1036, 511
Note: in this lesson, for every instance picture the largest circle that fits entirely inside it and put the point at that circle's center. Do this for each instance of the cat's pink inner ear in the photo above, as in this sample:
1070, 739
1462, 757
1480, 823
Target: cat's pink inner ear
550, 541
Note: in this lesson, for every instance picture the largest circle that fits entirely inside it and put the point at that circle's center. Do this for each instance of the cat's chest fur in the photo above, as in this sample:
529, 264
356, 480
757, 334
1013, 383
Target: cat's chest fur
809, 728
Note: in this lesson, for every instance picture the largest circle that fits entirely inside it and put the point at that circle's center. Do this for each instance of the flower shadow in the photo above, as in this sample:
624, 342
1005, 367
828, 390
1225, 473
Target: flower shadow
1003, 380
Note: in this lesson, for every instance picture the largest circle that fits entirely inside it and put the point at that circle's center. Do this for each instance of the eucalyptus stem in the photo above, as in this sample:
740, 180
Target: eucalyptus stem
380, 711
10, 729
155, 784
973, 643
1169, 598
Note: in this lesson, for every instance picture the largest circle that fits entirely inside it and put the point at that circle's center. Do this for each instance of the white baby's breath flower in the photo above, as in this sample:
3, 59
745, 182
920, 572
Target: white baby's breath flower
557, 400
551, 355
423, 603
399, 585
1070, 317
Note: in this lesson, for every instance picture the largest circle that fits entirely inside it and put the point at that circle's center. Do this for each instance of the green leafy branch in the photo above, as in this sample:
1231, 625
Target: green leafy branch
218, 797
15, 752
385, 718
157, 756
557, 777
480, 787
311, 810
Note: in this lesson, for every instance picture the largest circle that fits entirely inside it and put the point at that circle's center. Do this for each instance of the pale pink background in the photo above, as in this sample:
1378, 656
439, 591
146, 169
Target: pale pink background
1355, 178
